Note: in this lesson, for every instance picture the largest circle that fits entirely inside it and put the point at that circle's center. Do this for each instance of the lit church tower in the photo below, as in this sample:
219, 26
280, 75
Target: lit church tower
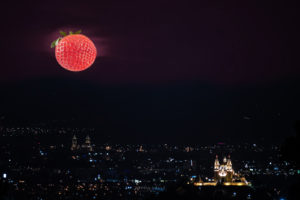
229, 164
217, 164
74, 143
88, 140
216, 167
87, 145
229, 170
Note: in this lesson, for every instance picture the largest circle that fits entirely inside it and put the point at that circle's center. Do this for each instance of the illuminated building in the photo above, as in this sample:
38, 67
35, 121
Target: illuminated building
87, 145
224, 175
223, 172
74, 146
141, 149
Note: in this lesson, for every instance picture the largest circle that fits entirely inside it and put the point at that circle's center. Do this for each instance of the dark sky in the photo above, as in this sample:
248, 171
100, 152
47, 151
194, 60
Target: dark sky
165, 68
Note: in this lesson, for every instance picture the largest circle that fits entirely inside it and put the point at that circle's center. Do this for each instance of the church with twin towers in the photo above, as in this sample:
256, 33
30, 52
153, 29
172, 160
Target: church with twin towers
86, 146
223, 172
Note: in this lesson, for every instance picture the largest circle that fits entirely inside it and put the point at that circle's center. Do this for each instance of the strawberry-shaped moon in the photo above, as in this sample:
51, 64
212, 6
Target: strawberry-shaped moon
74, 52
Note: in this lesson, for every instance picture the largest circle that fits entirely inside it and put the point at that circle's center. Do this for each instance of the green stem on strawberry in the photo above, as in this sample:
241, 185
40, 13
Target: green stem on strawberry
64, 34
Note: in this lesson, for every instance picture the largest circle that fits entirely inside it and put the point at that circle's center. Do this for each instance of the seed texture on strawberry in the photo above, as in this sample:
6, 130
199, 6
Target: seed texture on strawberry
74, 52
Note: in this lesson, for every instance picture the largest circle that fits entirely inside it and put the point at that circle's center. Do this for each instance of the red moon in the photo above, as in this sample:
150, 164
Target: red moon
75, 52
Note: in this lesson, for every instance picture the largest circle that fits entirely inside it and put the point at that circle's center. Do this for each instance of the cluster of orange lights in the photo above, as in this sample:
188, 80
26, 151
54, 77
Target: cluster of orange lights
225, 184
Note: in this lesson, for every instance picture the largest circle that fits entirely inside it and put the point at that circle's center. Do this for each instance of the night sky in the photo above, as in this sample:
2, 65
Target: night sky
166, 71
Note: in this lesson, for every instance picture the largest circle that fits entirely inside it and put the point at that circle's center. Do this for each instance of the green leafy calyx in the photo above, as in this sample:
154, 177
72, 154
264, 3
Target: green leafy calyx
63, 34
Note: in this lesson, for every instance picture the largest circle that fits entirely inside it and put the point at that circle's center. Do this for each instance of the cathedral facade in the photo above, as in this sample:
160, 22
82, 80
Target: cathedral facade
87, 145
223, 171
223, 175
